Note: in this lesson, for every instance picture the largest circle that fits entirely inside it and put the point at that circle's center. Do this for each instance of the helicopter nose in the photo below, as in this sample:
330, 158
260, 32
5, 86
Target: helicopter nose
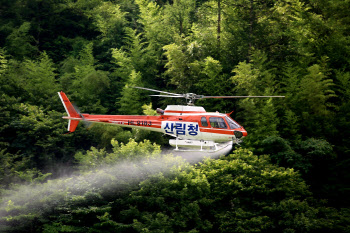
239, 134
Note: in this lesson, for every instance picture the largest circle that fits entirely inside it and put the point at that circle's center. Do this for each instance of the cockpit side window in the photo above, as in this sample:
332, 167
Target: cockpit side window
232, 123
204, 122
217, 122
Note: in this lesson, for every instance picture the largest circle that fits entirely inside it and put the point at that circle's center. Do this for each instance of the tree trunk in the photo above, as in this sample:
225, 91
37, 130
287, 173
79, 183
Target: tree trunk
219, 26
250, 36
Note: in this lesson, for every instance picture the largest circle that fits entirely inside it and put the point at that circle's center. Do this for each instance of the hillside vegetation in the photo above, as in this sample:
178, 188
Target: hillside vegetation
289, 175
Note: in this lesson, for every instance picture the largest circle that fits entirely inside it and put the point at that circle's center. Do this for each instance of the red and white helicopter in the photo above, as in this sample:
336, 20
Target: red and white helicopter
194, 129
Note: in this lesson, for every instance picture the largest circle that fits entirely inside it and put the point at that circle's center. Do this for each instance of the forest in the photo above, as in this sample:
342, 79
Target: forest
291, 173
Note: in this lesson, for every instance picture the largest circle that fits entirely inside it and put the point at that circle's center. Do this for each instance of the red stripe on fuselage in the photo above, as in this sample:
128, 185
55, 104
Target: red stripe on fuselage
153, 121
129, 120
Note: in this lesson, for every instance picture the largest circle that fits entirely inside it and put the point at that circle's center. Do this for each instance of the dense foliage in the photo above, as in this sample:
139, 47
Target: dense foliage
292, 173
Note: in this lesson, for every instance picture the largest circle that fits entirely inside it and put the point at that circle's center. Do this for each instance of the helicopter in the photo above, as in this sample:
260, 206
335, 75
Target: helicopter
192, 127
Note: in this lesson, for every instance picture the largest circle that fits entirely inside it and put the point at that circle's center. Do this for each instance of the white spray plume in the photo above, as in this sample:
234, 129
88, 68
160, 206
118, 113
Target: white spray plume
36, 199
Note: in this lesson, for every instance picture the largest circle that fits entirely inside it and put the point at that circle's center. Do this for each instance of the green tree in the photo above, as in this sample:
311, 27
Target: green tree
257, 78
331, 26
85, 82
316, 90
135, 55
33, 80
3, 61
180, 15
132, 99
152, 20
183, 66
309, 95
108, 19
16, 169
239, 193
304, 156
40, 81
36, 136
20, 42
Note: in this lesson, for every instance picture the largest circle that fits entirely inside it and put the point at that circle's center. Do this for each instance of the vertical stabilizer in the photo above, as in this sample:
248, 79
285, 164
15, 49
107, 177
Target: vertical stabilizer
72, 125
72, 113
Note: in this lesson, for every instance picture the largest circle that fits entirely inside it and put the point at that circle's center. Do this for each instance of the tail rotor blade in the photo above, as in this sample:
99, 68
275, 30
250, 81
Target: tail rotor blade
86, 123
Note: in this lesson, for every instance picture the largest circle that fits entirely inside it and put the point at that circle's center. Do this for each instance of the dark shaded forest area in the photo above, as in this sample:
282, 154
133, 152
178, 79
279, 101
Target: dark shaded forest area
291, 173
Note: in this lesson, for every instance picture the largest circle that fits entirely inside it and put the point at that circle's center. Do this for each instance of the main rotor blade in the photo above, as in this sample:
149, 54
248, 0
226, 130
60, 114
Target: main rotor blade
171, 96
149, 89
222, 97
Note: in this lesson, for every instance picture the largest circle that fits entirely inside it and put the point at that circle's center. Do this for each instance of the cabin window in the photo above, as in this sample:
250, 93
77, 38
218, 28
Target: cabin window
204, 122
232, 123
217, 122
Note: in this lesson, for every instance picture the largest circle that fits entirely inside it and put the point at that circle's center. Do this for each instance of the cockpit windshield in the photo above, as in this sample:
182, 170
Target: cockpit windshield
217, 122
232, 123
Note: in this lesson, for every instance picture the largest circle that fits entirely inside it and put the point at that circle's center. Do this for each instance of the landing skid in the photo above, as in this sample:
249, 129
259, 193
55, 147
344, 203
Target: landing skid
196, 155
